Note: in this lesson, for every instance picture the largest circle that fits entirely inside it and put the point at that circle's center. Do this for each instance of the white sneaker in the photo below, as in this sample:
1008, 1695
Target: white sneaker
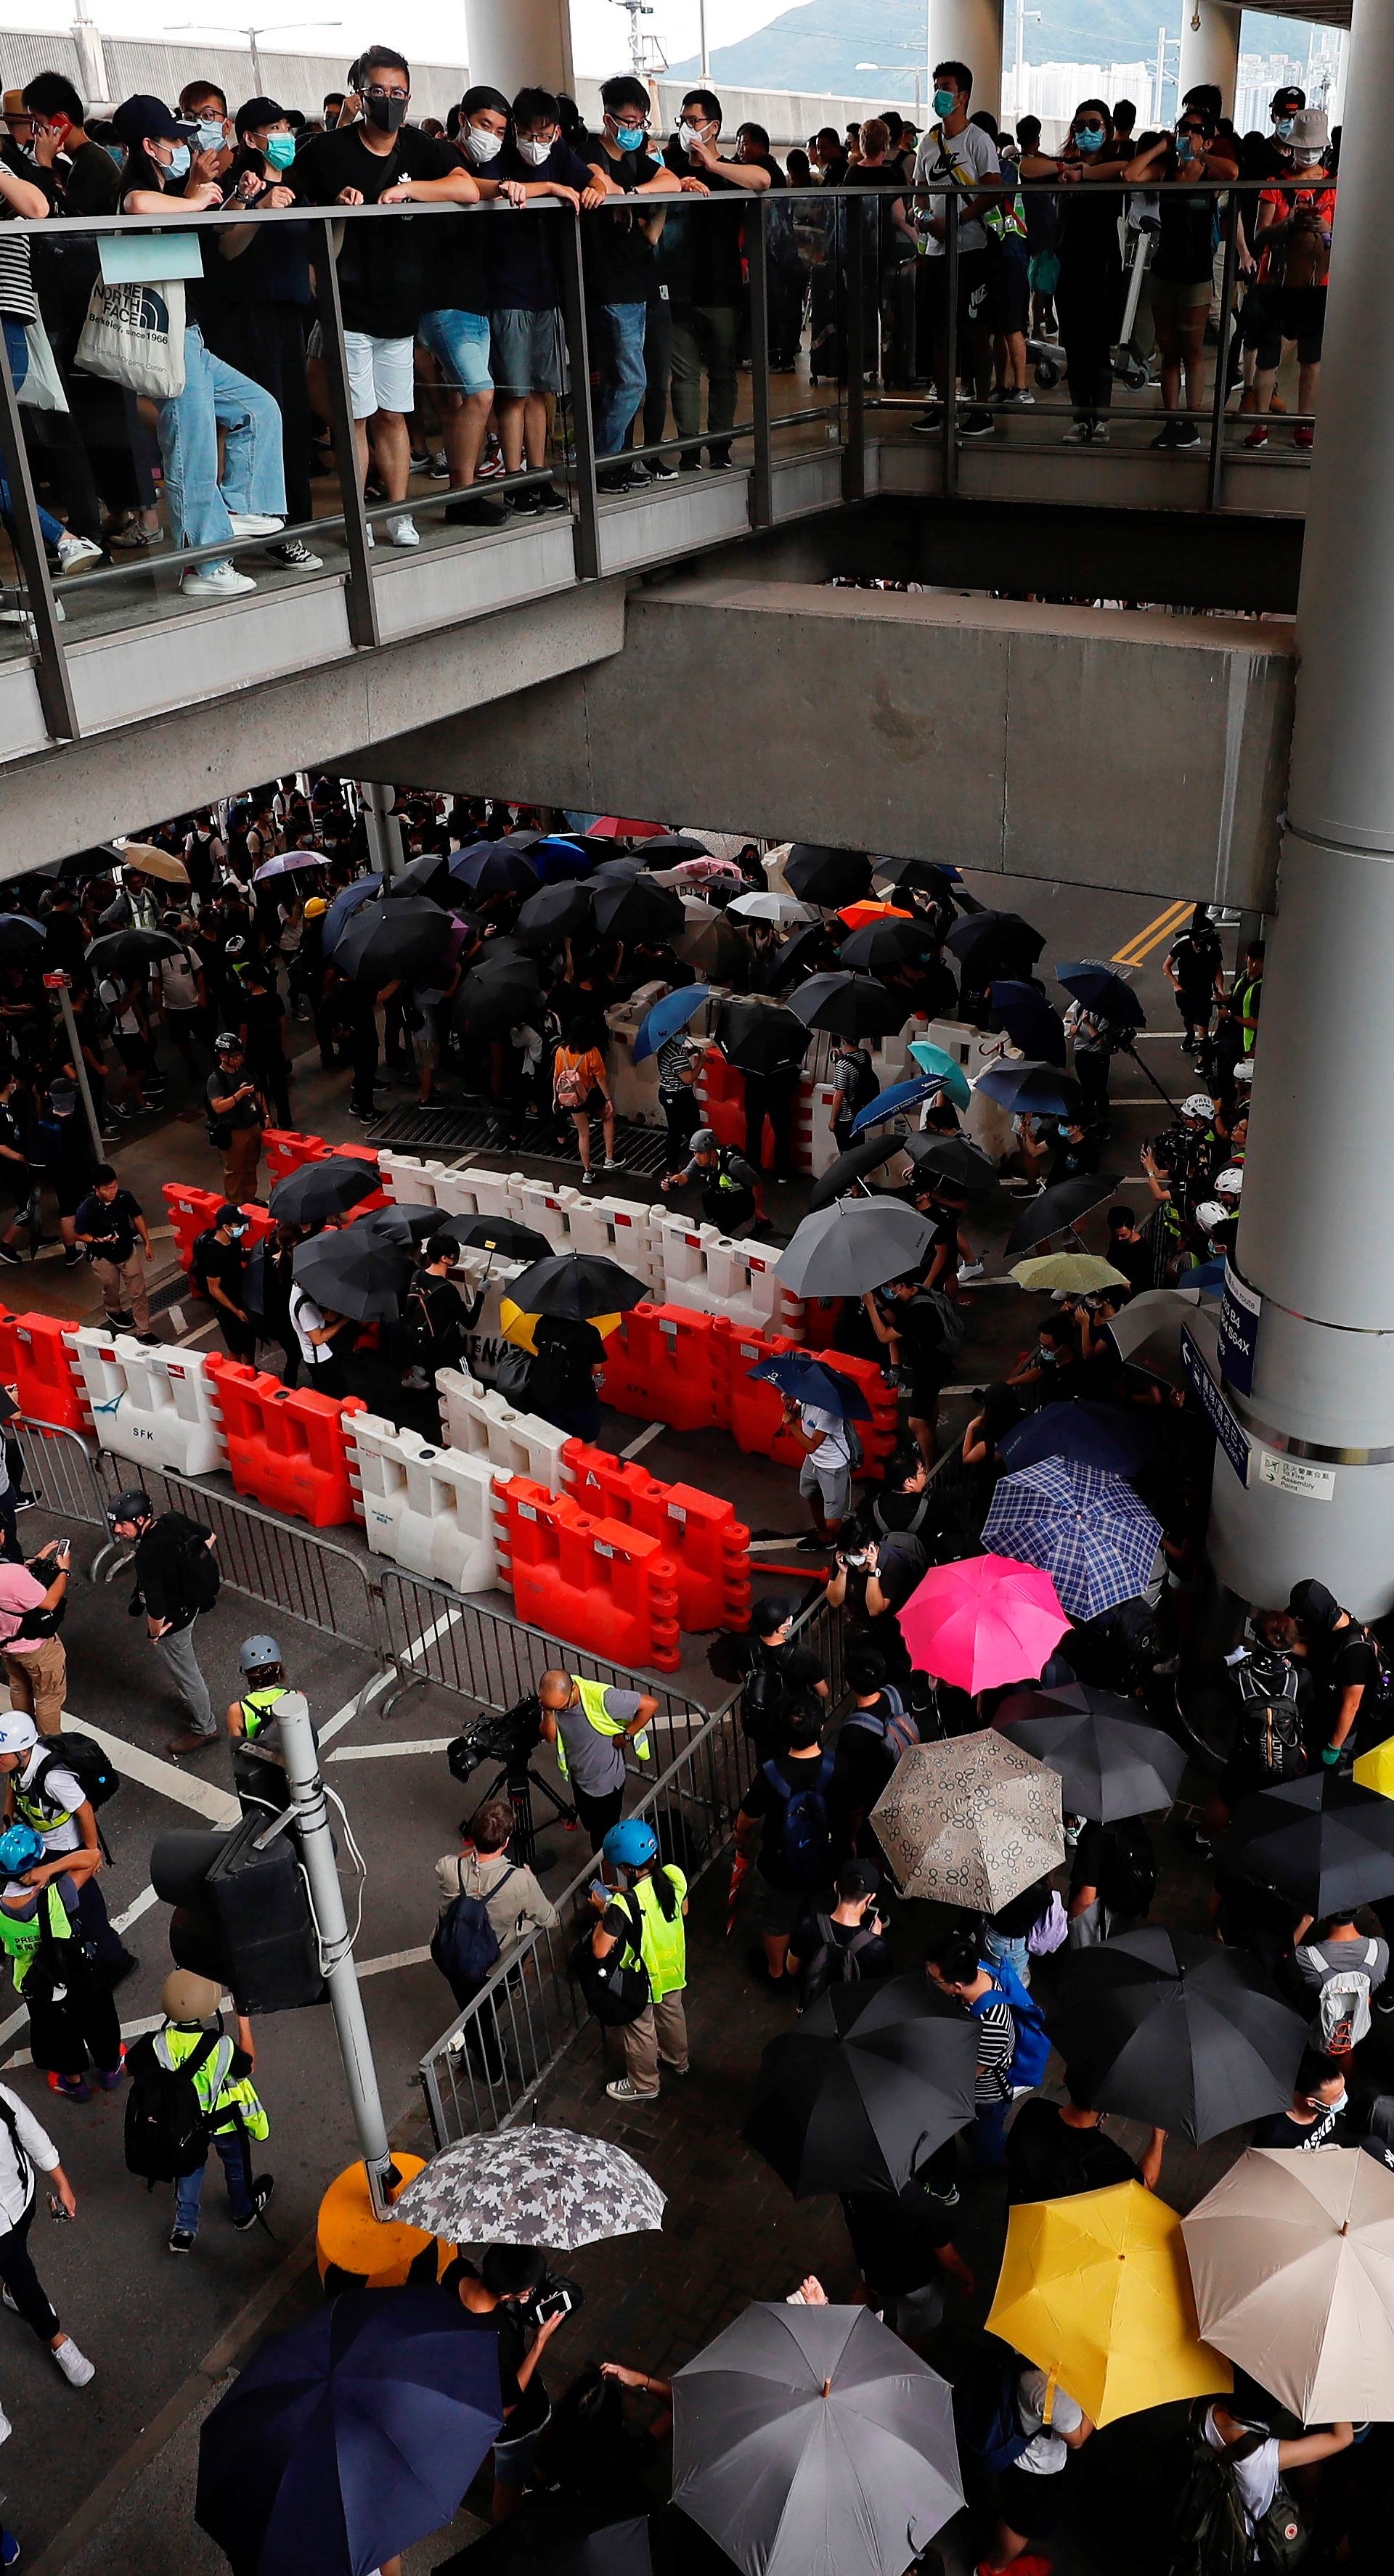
75, 2366
254, 523
1079, 434
970, 1270
402, 532
22, 617
216, 581
73, 551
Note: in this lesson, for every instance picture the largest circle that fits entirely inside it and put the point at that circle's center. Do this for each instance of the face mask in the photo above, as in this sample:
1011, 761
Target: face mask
630, 138
179, 159
1283, 128
1185, 146
210, 136
533, 151
690, 134
945, 101
117, 153
389, 115
481, 145
280, 150
1090, 138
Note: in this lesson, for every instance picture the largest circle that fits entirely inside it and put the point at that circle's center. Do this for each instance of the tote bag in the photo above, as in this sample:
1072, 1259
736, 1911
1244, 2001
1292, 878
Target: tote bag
134, 336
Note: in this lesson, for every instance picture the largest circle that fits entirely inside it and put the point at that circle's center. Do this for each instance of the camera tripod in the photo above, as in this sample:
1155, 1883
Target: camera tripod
520, 1780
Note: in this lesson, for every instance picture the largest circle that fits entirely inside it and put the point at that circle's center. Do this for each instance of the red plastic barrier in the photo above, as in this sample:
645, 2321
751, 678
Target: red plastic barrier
286, 1148
821, 1318
754, 1406
285, 1446
361, 1154
45, 1383
708, 1545
666, 1364
9, 1347
595, 1583
723, 1100
192, 1211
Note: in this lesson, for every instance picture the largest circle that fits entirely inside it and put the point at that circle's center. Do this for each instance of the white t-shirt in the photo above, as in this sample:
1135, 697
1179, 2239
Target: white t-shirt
833, 1449
1256, 2477
1046, 2453
60, 1789
968, 156
178, 983
306, 1318
110, 991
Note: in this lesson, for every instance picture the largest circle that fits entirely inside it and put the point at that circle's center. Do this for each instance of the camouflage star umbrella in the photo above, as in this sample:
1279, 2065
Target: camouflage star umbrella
973, 1822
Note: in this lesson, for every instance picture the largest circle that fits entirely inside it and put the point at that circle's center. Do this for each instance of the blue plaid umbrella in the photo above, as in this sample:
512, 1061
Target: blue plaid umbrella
1086, 1529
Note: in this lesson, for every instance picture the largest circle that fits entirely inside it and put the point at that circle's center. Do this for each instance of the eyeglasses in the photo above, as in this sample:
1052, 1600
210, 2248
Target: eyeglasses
376, 91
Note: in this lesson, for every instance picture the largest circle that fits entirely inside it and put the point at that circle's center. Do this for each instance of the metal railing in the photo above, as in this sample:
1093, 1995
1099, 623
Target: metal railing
60, 1471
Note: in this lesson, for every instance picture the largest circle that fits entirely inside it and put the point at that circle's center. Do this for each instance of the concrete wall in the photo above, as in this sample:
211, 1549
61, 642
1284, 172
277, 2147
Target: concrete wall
1144, 752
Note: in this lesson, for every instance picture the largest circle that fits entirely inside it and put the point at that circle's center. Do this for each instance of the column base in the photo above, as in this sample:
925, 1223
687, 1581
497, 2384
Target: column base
356, 2250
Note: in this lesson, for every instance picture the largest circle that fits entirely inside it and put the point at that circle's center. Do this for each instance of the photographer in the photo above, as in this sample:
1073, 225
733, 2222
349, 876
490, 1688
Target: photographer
501, 2298
873, 1579
491, 1903
31, 1603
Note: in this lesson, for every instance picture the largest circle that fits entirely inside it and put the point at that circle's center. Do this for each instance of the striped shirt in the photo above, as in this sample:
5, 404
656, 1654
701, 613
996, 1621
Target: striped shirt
996, 2047
17, 298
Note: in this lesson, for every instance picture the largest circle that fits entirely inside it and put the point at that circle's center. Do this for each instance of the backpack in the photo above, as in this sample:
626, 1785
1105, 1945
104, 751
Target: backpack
1268, 1684
1128, 1879
1343, 2004
511, 1375
804, 1838
167, 2128
464, 1944
570, 1083
1211, 2532
985, 2415
89, 1765
834, 1963
892, 1724
616, 1988
1307, 251
864, 1089
1031, 2051
198, 1563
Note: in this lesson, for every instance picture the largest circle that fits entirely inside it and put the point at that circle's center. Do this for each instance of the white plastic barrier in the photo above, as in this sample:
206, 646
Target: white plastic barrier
409, 1181
713, 1274
543, 1208
478, 1420
633, 1087
429, 1509
154, 1406
622, 1230
484, 1343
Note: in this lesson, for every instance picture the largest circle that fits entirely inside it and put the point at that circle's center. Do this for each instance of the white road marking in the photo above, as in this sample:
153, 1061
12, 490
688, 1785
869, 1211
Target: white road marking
376, 1752
643, 1440
198, 1334
204, 1796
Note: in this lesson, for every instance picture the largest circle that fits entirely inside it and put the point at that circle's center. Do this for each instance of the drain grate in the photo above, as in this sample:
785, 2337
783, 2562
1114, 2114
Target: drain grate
640, 1151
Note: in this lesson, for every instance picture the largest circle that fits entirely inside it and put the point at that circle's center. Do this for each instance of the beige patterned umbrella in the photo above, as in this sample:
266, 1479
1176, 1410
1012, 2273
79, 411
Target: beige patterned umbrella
973, 1822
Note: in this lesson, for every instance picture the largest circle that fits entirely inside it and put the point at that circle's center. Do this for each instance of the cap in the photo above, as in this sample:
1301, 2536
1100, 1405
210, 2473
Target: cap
257, 113
1310, 131
1311, 1602
703, 1140
229, 1213
133, 1505
185, 1997
1287, 98
256, 1651
143, 115
1230, 1181
1197, 1104
858, 1878
18, 1733
227, 1043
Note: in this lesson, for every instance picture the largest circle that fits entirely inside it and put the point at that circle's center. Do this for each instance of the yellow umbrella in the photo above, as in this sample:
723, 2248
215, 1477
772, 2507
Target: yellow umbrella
518, 1328
1081, 1271
1375, 1769
1096, 2290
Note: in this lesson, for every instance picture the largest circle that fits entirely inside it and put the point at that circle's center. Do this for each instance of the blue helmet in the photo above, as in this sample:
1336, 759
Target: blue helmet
20, 1849
631, 1844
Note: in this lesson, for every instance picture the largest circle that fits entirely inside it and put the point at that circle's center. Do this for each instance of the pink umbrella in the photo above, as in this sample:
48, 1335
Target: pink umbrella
986, 1620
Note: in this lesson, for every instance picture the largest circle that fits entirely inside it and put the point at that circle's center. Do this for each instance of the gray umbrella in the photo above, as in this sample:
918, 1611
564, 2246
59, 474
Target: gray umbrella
853, 1245
550, 2187
813, 2442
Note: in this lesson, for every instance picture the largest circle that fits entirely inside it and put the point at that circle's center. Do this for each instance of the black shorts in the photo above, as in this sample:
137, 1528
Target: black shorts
1009, 293
135, 1052
1028, 2503
1274, 314
975, 272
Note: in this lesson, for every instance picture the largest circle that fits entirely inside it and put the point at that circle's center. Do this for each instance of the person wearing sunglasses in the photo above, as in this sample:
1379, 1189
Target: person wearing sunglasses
1089, 289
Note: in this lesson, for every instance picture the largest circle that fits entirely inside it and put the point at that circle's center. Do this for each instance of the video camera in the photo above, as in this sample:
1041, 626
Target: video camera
510, 1740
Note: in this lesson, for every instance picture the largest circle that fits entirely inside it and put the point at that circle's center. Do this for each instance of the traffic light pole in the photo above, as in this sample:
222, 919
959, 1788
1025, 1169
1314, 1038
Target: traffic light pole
340, 1975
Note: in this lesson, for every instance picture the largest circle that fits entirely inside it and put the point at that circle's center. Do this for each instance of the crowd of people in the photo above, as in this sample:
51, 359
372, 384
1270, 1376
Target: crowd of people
218, 424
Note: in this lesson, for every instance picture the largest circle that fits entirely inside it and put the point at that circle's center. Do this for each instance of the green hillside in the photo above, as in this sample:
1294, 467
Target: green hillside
818, 46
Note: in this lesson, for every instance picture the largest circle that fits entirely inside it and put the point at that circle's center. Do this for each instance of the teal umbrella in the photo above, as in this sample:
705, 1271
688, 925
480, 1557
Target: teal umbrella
942, 1066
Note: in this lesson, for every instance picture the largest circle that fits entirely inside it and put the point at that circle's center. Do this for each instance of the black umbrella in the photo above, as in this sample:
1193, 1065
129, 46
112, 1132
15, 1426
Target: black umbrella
882, 944
852, 1167
20, 938
402, 936
872, 2081
408, 1225
1109, 1766
924, 873
807, 953
98, 862
498, 867
321, 1190
576, 1285
995, 942
1323, 1841
353, 1272
129, 952
501, 1235
1031, 1088
1178, 2031
498, 993
1089, 981
554, 912
1057, 1208
954, 1161
637, 910
760, 1037
1118, 1438
665, 849
428, 875
556, 2539
1028, 1020
829, 877
850, 1006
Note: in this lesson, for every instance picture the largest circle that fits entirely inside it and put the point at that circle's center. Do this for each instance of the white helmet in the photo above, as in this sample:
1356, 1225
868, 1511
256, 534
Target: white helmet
1213, 1213
18, 1733
1198, 1104
1244, 1070
1230, 1181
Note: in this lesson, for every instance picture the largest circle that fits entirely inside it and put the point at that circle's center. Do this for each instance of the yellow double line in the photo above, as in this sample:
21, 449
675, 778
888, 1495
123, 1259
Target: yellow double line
1164, 927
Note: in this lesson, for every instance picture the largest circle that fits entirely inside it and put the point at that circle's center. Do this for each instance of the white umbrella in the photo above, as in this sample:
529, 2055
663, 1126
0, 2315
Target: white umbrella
774, 905
1292, 2258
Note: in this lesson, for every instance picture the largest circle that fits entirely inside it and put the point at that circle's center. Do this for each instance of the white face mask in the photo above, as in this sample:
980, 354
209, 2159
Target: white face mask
690, 134
481, 145
532, 150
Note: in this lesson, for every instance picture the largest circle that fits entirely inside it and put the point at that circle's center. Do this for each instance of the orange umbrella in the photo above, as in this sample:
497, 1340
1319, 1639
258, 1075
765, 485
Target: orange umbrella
857, 915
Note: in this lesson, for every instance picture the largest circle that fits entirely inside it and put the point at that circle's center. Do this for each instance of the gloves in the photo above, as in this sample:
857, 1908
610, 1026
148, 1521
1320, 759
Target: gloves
1331, 1754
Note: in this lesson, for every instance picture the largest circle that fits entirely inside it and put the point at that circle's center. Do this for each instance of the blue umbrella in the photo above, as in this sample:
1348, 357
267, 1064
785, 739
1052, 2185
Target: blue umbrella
1089, 981
557, 860
1029, 1021
343, 908
1205, 1274
1105, 1436
901, 1096
669, 1015
949, 1076
1030, 1088
1088, 1531
808, 1382
350, 2437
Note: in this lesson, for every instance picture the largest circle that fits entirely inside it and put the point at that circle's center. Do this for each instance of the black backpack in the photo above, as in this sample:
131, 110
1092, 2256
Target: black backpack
1128, 1879
1268, 1684
199, 1563
83, 1756
616, 1988
1212, 2536
834, 1963
167, 2128
803, 1835
464, 1944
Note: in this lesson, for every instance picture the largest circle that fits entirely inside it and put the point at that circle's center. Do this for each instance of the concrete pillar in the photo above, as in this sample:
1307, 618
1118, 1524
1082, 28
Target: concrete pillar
969, 31
517, 42
1210, 48
1316, 1233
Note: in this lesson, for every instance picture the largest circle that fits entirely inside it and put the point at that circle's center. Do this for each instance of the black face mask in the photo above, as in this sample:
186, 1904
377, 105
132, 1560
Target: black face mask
388, 114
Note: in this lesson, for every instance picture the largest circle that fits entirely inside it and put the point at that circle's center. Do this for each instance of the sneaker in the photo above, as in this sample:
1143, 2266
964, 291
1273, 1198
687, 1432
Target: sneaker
1187, 434
1015, 398
612, 478
1079, 434
438, 469
262, 2189
946, 2199
490, 466
216, 581
402, 532
929, 422
193, 1742
970, 1270
420, 460
611, 1163
364, 1117
673, 2067
476, 514
110, 2082
549, 498
256, 523
296, 556
977, 423
6, 1254
662, 469
7, 2294
623, 2091
1258, 435
75, 2366
126, 1966
811, 1544
1167, 434
524, 504
73, 552
9, 2546
1102, 434
150, 1340
72, 1255
181, 2240
25, 1502
1303, 437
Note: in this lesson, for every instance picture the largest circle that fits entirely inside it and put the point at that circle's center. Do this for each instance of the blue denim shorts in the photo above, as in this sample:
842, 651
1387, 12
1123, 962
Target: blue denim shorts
461, 342
527, 351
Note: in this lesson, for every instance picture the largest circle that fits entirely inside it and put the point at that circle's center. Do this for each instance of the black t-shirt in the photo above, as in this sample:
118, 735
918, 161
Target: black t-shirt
895, 2237
874, 1957
262, 1015
1049, 2160
222, 1262
1330, 2128
862, 1763
1196, 955
801, 1771
920, 1328
111, 1225
383, 268
222, 1086
1185, 245
621, 263
275, 266
455, 256
700, 253
514, 2334
566, 1354
1262, 159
